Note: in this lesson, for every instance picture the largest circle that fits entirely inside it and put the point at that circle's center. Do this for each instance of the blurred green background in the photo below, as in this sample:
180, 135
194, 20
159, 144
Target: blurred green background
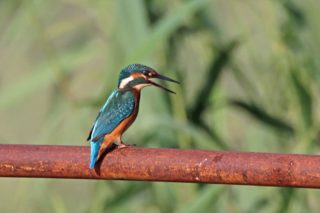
250, 74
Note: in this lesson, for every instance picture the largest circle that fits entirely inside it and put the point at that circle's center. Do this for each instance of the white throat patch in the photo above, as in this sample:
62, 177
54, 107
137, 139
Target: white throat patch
125, 81
140, 86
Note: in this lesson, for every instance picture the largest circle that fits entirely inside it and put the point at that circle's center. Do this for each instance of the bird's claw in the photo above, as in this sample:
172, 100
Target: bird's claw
123, 145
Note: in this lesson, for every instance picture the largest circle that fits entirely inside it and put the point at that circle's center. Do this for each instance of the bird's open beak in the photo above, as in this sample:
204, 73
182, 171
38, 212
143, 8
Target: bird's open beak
162, 77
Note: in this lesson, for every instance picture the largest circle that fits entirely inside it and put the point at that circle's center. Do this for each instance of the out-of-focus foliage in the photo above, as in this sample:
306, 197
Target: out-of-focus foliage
250, 74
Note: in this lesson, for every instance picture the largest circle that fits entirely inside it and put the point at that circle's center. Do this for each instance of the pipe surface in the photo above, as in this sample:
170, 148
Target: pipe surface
172, 165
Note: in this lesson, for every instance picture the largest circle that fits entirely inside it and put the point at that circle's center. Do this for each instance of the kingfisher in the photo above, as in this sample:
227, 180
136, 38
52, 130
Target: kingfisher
121, 109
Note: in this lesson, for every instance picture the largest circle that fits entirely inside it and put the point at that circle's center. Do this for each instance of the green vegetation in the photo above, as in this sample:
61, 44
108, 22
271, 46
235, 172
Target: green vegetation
250, 74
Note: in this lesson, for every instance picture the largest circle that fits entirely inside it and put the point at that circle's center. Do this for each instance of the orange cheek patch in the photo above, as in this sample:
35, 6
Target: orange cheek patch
136, 75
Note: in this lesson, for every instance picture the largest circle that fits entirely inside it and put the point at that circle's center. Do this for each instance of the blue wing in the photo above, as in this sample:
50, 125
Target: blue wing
118, 107
100, 111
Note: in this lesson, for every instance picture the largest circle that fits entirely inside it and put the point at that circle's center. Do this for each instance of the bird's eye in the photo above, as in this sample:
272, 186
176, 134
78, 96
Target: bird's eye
145, 72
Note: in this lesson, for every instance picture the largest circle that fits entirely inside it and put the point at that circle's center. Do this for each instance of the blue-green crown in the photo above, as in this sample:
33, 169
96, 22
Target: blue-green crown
126, 72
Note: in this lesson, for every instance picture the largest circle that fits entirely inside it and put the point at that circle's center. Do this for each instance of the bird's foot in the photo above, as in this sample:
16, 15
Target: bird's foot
123, 145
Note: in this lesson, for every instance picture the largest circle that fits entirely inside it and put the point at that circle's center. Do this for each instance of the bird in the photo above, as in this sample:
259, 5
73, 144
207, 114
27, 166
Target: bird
121, 109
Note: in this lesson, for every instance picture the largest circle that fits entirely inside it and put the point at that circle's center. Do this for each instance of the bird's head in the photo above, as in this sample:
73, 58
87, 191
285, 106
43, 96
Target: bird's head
137, 76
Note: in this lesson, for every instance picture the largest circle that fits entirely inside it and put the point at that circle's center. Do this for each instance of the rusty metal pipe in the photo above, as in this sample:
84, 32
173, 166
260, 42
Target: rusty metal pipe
174, 165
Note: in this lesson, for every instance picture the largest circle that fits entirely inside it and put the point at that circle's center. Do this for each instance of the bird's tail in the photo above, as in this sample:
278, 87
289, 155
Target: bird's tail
95, 146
